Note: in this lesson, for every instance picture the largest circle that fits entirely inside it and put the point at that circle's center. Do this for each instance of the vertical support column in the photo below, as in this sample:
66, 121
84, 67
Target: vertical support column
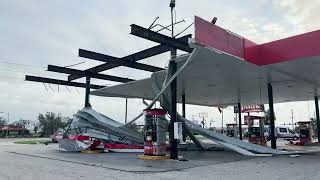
87, 93
317, 116
183, 105
240, 122
173, 111
183, 98
271, 115
173, 85
126, 112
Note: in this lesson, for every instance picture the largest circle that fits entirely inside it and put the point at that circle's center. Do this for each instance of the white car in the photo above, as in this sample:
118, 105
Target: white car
285, 133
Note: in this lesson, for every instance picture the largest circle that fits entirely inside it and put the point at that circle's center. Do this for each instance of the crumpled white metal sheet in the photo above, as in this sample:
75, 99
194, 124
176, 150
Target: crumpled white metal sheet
89, 122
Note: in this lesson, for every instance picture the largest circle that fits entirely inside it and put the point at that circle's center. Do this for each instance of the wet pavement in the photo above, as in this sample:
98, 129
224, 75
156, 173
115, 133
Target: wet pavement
127, 162
46, 162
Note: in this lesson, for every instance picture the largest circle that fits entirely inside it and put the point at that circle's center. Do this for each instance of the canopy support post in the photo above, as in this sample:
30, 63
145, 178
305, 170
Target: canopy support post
271, 115
240, 122
183, 99
87, 93
317, 116
173, 111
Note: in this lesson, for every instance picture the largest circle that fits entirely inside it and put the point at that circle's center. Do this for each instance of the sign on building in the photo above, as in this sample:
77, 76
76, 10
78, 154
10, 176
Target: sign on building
250, 108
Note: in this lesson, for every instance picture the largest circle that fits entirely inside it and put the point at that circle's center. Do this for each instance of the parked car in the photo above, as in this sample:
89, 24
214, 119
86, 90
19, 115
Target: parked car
56, 136
284, 132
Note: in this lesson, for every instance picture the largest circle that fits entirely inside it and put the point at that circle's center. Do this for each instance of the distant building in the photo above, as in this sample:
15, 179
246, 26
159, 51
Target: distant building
13, 131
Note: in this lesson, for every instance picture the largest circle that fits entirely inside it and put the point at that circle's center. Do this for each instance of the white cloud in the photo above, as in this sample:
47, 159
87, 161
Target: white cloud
301, 15
50, 32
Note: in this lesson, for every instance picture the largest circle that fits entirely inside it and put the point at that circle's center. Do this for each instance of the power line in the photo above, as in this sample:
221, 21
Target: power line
75, 64
14, 70
20, 64
20, 78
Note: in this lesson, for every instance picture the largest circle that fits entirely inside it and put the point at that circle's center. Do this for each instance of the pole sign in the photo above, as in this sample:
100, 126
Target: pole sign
250, 108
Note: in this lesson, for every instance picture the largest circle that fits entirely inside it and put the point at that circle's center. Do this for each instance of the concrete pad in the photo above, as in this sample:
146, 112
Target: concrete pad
220, 165
129, 162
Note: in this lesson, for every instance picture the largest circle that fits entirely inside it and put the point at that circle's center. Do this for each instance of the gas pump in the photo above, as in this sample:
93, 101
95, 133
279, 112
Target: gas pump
256, 131
156, 127
305, 132
232, 130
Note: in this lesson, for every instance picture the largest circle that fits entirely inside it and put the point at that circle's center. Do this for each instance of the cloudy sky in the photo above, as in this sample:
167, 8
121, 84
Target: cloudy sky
35, 33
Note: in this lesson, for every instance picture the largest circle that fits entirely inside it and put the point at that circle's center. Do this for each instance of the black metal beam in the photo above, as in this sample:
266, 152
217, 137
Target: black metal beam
159, 38
156, 50
317, 116
117, 61
85, 74
60, 82
271, 115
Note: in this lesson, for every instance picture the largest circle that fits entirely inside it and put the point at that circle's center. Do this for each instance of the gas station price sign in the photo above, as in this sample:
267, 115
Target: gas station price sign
250, 108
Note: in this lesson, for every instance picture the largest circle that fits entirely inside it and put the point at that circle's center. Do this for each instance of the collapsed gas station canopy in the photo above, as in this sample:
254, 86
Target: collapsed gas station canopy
227, 69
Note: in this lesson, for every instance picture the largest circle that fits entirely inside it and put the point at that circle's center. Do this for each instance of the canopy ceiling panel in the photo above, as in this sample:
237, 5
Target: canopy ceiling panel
214, 78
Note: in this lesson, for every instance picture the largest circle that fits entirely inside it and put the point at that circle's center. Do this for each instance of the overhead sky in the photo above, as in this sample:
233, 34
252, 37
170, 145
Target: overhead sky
35, 33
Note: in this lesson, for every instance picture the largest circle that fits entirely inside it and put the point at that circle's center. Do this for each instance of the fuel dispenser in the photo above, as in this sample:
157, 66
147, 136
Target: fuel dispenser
256, 131
305, 132
232, 130
156, 126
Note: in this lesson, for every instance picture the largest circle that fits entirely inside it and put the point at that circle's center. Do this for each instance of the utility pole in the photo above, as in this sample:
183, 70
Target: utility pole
203, 115
203, 122
292, 119
126, 112
212, 121
173, 50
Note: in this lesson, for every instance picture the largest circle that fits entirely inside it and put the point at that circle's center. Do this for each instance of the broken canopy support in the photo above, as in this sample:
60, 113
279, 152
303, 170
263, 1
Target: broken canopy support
159, 38
117, 61
240, 122
88, 73
59, 82
317, 116
173, 114
153, 51
271, 115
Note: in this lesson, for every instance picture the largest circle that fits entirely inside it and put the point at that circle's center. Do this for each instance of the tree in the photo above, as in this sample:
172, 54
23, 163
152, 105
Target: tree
267, 117
313, 123
66, 124
51, 123
35, 129
314, 126
23, 123
2, 121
